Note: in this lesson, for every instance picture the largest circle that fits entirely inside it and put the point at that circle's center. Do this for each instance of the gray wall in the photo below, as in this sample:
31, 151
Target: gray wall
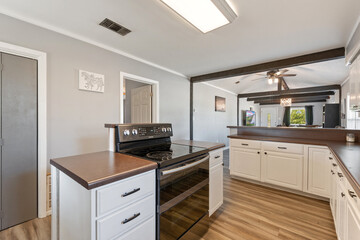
76, 118
129, 84
208, 124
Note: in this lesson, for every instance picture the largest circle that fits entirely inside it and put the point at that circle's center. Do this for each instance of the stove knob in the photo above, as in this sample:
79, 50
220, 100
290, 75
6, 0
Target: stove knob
134, 132
126, 132
169, 129
163, 130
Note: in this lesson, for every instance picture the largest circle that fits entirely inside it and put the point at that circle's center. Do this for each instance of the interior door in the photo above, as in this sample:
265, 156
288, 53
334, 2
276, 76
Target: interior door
19, 134
141, 104
269, 117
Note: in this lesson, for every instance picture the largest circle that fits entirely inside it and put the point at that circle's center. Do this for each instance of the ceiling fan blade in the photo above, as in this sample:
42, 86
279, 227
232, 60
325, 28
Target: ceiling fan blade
260, 74
287, 75
259, 78
282, 72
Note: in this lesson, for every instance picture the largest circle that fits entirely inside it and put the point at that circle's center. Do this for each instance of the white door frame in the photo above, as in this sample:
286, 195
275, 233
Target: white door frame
42, 123
155, 97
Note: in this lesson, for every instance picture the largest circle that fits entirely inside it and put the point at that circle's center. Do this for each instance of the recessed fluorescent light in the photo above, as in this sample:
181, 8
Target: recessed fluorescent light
206, 15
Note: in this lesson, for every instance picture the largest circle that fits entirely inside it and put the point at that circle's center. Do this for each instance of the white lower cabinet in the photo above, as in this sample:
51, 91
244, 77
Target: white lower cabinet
319, 177
245, 163
216, 181
283, 169
340, 211
352, 222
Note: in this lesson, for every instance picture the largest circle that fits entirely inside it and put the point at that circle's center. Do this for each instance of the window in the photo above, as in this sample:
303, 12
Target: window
297, 116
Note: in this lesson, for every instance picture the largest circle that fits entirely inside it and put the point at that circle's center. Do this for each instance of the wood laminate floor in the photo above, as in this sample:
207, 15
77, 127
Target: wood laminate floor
249, 212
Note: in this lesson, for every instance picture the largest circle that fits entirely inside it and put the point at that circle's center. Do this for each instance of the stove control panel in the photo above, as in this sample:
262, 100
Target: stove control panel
135, 132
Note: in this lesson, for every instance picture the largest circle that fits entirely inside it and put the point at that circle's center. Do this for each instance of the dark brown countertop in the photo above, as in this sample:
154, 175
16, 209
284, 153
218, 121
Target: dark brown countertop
97, 169
209, 145
348, 154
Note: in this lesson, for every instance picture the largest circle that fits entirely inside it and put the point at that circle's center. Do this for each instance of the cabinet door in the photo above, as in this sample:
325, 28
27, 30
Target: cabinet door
340, 211
245, 163
216, 188
333, 193
353, 223
283, 169
319, 176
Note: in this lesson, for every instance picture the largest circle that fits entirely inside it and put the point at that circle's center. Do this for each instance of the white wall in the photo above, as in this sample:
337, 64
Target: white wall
210, 125
76, 118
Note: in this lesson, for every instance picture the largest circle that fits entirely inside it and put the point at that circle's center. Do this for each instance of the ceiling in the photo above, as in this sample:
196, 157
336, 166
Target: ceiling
265, 30
310, 75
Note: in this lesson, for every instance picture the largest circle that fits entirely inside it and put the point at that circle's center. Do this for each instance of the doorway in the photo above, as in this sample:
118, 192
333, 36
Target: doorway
139, 99
269, 116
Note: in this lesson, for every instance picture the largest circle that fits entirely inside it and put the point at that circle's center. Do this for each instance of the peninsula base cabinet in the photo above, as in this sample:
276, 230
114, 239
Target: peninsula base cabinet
121, 210
216, 183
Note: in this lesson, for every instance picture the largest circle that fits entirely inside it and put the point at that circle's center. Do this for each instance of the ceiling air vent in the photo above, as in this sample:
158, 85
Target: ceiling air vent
113, 26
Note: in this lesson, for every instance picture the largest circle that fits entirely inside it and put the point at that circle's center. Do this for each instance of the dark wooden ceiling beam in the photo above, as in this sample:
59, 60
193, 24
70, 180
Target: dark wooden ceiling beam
308, 99
326, 93
298, 101
284, 84
279, 64
290, 91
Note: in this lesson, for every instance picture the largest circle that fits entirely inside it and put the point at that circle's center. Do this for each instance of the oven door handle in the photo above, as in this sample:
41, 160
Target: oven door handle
174, 170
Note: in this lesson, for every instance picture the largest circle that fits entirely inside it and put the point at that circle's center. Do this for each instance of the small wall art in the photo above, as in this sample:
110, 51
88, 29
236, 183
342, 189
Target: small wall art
90, 81
220, 104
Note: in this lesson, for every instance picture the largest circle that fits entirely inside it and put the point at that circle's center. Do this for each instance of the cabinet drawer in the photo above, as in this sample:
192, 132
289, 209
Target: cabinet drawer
146, 228
216, 157
125, 219
245, 143
123, 193
283, 147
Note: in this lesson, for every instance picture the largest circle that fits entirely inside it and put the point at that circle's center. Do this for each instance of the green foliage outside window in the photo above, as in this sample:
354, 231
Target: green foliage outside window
297, 116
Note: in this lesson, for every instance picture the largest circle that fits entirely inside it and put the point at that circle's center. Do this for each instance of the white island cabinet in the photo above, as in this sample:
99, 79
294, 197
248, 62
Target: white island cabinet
216, 181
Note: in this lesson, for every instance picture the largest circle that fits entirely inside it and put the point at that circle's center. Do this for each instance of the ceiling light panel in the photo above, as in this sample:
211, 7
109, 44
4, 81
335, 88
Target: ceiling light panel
206, 15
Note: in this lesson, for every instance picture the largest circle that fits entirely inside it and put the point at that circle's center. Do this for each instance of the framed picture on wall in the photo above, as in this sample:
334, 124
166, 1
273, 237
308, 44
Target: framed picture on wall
220, 104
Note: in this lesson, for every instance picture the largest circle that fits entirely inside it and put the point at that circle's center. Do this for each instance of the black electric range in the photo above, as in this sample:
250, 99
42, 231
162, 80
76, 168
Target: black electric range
182, 176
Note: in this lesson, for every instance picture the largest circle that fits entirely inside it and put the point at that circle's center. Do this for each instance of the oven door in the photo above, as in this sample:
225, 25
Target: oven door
183, 197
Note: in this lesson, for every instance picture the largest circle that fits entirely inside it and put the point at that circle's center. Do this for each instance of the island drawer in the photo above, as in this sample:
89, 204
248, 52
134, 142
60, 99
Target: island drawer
124, 220
146, 228
243, 143
283, 147
216, 157
124, 192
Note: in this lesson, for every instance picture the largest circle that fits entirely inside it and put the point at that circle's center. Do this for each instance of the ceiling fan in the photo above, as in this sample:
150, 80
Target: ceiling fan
272, 76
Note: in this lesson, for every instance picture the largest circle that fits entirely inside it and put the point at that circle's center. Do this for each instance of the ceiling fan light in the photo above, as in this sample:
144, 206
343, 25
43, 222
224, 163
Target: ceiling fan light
205, 15
270, 81
276, 80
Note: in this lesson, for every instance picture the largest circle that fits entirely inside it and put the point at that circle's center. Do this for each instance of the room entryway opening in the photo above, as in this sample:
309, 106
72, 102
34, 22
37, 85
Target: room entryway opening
268, 116
138, 99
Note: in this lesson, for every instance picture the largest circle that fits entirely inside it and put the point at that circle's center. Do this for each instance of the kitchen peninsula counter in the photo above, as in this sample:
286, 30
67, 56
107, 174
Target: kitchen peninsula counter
348, 154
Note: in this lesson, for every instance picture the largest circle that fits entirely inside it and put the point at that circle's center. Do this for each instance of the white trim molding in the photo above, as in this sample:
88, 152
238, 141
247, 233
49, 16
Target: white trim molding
86, 39
42, 122
222, 89
155, 97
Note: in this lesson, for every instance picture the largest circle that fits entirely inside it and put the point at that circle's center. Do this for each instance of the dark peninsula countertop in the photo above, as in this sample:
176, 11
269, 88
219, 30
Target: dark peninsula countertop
97, 169
348, 154
209, 145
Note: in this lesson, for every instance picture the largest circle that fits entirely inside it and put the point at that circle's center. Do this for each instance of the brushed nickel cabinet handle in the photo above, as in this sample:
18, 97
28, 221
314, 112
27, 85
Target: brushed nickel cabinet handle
129, 193
282, 148
245, 144
131, 218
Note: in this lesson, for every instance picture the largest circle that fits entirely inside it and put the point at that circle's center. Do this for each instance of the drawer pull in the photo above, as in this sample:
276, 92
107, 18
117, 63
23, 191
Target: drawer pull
340, 175
265, 153
258, 152
332, 172
130, 219
330, 158
342, 194
282, 148
129, 193
334, 164
352, 194
245, 144
217, 156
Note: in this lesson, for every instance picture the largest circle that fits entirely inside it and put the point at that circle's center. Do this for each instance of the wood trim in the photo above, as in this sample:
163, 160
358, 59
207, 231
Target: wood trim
294, 101
284, 84
326, 93
297, 90
191, 111
284, 63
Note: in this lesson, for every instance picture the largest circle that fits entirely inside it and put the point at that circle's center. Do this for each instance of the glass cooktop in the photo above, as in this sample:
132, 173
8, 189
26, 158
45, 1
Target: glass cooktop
167, 154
